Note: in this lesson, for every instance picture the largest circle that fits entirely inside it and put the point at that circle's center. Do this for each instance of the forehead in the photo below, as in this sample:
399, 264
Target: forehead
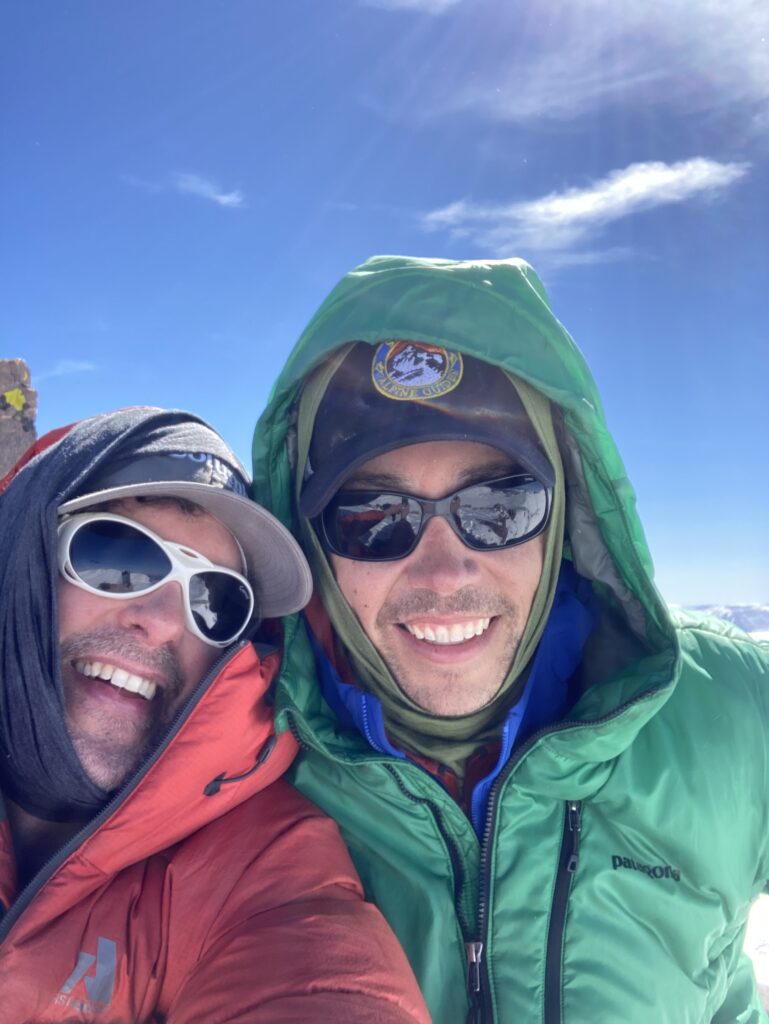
439, 463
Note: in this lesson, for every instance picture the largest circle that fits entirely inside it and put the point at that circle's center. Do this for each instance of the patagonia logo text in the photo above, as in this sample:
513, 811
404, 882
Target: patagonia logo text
652, 870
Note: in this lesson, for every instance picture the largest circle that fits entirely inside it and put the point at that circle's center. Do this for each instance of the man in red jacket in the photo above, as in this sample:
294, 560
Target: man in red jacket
151, 867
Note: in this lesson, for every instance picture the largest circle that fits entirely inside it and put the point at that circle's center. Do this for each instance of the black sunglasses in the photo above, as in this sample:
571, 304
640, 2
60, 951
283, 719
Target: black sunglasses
119, 558
381, 526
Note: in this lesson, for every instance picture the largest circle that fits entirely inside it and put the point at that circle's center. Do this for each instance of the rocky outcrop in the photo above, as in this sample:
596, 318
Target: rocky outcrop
18, 407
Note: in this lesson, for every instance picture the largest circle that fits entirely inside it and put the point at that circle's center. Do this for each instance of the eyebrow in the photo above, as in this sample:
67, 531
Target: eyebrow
391, 481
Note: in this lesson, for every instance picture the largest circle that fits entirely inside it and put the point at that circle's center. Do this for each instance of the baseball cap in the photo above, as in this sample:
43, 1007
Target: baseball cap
274, 562
403, 392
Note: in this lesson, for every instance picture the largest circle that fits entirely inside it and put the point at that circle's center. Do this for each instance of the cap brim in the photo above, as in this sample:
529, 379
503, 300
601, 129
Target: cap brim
320, 489
275, 563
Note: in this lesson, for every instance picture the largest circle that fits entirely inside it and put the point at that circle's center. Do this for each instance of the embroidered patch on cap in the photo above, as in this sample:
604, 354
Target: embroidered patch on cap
408, 370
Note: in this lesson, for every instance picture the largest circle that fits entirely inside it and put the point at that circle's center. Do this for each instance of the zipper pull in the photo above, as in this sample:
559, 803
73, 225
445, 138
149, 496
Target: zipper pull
575, 827
474, 952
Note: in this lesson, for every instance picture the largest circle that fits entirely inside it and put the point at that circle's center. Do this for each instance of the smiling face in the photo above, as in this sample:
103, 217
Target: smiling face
141, 643
446, 619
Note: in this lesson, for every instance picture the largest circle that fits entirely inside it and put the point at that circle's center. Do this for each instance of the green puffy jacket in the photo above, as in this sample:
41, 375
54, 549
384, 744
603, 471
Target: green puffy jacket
625, 845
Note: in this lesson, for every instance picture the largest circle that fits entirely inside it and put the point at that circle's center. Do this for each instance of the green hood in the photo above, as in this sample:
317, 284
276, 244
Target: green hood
662, 759
497, 311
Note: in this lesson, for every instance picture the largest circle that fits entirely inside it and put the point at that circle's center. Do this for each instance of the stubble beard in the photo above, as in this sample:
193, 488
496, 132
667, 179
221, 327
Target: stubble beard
111, 749
445, 691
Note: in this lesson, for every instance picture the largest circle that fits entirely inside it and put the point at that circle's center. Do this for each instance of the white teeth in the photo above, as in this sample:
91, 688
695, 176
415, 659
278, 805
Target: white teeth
117, 677
457, 633
147, 689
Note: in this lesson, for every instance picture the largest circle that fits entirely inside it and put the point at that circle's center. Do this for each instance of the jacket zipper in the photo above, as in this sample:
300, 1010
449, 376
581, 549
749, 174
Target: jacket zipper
478, 985
451, 846
567, 865
35, 884
477, 973
477, 968
293, 728
478, 980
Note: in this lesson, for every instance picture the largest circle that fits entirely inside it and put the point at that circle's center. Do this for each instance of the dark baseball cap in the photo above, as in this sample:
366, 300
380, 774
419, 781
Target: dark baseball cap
274, 562
403, 392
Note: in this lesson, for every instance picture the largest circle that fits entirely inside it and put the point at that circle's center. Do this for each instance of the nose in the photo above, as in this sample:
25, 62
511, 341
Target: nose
159, 615
440, 561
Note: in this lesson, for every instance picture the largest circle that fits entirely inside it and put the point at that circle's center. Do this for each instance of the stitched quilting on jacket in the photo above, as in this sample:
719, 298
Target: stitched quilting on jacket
621, 846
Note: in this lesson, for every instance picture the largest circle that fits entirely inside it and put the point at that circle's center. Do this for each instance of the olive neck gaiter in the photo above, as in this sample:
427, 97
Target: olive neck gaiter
448, 740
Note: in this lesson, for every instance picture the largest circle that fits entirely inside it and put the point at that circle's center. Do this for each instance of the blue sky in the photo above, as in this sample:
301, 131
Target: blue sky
182, 181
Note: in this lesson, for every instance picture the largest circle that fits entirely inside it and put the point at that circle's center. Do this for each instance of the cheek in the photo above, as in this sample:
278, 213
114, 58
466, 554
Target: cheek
195, 657
363, 587
524, 568
77, 610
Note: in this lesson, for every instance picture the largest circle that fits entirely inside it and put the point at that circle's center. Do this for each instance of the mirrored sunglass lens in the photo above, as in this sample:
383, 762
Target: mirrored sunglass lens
493, 516
376, 526
220, 605
117, 559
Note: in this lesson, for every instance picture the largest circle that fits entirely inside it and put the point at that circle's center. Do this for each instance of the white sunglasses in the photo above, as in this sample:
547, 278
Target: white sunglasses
119, 558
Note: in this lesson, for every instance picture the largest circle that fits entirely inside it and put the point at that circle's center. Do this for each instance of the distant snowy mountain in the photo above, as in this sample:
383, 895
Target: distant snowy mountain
753, 618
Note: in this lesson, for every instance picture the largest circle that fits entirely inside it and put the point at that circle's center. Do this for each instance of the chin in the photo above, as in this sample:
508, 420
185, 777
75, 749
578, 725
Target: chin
108, 772
437, 701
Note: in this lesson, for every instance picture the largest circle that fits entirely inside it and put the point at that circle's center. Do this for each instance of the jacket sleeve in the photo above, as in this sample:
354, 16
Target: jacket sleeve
327, 960
289, 937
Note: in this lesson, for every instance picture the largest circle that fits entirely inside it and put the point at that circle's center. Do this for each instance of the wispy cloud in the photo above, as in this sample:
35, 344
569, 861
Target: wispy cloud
562, 223
196, 185
189, 184
574, 58
426, 6
66, 367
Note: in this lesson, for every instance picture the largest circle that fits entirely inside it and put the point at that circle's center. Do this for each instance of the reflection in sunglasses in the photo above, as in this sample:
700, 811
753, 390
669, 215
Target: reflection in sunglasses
380, 526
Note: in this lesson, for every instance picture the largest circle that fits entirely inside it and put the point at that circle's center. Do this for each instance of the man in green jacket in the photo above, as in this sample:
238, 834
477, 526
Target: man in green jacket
556, 794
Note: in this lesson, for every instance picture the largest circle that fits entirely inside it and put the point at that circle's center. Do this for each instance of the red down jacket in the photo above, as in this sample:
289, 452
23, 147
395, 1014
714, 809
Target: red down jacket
177, 907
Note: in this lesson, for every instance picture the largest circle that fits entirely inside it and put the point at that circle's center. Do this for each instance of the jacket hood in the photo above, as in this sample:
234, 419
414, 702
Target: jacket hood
497, 311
